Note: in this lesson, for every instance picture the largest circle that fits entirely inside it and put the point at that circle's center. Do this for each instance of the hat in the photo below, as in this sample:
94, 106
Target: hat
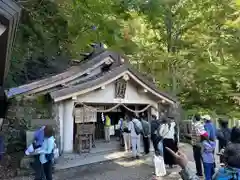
206, 117
204, 134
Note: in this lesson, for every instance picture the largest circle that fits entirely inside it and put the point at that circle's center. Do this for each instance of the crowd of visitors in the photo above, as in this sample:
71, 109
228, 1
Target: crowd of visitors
204, 135
163, 134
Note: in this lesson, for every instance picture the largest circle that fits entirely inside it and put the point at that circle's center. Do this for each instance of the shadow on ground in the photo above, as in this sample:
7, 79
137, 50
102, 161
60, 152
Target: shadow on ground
122, 169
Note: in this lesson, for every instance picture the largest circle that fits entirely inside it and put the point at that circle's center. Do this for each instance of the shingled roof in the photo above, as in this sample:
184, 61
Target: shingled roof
106, 78
79, 79
69, 75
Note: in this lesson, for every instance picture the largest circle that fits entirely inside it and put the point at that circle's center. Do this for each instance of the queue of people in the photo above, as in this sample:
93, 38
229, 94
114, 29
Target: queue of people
162, 132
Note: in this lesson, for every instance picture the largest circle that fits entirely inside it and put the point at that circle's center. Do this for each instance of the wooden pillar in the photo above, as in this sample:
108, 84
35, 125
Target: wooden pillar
68, 123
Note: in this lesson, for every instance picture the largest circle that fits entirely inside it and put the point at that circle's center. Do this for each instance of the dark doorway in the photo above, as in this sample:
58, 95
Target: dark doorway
114, 116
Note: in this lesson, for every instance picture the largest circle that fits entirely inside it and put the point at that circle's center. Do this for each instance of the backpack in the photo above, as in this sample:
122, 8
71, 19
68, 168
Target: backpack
137, 128
228, 174
146, 128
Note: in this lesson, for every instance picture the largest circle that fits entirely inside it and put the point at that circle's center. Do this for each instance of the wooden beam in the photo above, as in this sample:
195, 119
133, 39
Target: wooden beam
9, 19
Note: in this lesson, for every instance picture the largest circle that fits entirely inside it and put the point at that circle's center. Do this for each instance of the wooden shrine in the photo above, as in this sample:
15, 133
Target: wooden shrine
85, 119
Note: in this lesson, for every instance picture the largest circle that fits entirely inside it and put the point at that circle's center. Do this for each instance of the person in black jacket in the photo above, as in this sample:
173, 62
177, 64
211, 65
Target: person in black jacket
235, 135
223, 134
145, 133
155, 123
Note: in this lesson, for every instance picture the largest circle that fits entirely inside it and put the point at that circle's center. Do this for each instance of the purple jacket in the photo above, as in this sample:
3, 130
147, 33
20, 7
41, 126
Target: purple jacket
39, 136
208, 148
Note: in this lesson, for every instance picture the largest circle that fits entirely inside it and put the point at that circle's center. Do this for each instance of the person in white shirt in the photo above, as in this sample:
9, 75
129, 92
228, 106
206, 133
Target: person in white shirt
135, 127
167, 132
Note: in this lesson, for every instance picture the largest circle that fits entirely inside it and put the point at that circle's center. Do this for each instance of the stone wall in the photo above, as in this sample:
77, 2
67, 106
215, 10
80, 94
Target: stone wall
22, 112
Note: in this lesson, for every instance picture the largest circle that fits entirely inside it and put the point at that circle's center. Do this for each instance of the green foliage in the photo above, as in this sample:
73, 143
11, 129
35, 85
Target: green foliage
191, 47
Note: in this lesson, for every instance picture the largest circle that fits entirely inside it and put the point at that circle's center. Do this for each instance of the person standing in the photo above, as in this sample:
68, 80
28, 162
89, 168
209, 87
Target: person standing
157, 141
197, 129
209, 127
37, 143
46, 152
145, 133
223, 136
120, 130
126, 134
154, 126
167, 132
235, 135
107, 127
135, 128
208, 148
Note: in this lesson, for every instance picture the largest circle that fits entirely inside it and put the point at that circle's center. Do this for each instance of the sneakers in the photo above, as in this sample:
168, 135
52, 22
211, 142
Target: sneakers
199, 175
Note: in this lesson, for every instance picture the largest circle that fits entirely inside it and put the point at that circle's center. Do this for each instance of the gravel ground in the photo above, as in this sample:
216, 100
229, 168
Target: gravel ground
111, 170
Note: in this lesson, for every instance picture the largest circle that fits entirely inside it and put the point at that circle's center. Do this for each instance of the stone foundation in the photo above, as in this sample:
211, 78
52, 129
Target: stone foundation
21, 115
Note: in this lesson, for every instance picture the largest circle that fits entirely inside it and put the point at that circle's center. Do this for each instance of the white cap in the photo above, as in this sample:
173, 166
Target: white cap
206, 117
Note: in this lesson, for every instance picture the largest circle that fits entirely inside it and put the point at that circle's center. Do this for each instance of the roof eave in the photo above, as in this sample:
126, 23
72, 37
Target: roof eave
121, 72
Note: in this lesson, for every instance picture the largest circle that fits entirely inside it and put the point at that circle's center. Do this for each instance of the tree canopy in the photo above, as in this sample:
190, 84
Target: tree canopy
191, 47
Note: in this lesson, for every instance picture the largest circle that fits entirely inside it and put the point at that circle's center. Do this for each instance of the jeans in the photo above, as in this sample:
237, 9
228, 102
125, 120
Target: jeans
107, 133
127, 141
146, 144
198, 159
37, 167
135, 145
160, 148
208, 170
47, 167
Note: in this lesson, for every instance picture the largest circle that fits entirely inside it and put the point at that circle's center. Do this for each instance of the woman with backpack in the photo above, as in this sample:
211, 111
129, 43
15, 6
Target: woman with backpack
46, 152
135, 128
167, 132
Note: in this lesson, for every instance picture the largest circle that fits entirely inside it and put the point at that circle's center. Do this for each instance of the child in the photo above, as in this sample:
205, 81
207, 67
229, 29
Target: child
208, 148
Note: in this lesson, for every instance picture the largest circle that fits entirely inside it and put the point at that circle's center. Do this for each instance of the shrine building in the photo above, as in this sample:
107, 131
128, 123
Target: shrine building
74, 101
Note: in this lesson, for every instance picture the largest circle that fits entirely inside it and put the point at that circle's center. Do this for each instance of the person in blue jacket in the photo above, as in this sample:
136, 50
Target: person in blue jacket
209, 127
